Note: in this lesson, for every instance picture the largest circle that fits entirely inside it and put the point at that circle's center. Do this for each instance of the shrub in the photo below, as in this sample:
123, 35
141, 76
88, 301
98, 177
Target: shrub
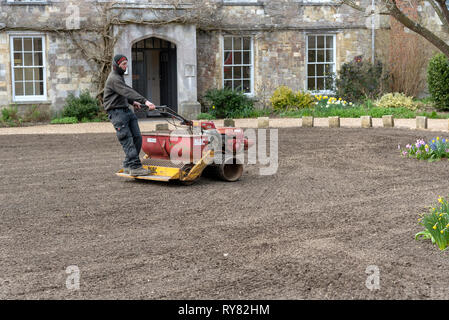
227, 103
65, 120
358, 80
436, 224
205, 116
434, 150
396, 100
81, 107
284, 99
438, 80
10, 116
35, 115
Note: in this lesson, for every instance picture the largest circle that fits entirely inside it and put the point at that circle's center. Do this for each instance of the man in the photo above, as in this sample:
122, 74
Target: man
117, 97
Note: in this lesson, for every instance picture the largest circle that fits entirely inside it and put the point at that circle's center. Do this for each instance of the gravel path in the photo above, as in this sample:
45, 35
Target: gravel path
150, 125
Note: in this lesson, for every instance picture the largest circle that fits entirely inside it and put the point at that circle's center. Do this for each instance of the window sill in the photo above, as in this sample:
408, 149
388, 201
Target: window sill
31, 102
243, 3
27, 3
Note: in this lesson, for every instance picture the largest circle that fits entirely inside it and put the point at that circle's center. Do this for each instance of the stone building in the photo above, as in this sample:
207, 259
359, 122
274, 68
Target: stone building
252, 45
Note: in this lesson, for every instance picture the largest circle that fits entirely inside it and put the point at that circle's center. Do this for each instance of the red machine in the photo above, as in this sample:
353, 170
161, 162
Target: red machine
183, 154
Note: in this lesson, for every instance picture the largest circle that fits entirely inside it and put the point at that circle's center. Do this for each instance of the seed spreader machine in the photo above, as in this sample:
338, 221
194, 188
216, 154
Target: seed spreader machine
183, 154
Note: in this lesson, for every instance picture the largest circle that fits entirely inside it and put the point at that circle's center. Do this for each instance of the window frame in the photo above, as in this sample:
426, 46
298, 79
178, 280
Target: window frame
251, 64
241, 2
27, 98
27, 2
334, 63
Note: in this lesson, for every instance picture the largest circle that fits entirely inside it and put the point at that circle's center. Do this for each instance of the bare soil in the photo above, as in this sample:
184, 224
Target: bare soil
342, 200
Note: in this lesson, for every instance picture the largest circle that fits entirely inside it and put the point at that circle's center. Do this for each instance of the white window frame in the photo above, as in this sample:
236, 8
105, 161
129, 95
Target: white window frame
307, 60
240, 1
251, 65
44, 65
27, 1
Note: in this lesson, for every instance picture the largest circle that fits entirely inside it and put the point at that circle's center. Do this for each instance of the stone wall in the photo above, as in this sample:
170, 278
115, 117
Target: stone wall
67, 70
278, 27
279, 58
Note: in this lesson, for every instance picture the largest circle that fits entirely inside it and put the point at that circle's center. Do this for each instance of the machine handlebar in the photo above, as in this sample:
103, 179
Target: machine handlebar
166, 110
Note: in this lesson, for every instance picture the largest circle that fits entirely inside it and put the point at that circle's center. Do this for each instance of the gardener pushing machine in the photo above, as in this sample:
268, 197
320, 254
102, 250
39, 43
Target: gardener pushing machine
117, 97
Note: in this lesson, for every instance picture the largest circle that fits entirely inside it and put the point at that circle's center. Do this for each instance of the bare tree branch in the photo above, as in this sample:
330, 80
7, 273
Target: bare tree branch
440, 14
416, 27
393, 10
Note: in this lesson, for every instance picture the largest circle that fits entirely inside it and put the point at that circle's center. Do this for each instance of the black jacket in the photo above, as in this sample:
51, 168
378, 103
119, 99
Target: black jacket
117, 94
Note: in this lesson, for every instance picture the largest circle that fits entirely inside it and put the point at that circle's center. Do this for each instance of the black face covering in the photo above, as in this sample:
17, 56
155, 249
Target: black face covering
115, 65
117, 68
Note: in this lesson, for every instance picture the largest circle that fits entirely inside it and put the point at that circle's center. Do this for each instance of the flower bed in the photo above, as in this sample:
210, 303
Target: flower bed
433, 150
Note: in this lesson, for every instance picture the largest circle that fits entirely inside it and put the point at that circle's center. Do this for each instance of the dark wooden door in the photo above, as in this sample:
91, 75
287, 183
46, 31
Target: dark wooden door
168, 76
140, 74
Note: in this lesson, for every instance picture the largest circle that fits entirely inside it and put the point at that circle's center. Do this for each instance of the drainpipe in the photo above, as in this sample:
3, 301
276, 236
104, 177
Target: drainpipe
373, 39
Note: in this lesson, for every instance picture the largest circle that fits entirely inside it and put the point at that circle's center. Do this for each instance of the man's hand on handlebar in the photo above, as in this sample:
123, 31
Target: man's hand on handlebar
150, 105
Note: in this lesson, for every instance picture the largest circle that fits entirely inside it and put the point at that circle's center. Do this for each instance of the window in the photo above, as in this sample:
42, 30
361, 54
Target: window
320, 62
28, 68
238, 63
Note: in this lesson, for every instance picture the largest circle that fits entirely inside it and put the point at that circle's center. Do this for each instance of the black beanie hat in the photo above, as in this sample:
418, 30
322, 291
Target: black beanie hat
119, 58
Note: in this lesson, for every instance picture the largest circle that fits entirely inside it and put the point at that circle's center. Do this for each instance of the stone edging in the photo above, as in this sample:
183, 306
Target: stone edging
262, 122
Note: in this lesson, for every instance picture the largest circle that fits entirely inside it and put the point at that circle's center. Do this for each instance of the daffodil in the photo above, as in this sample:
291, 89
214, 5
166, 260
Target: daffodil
434, 227
442, 231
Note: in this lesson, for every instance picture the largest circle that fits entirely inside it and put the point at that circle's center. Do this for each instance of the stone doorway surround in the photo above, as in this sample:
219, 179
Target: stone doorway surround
184, 36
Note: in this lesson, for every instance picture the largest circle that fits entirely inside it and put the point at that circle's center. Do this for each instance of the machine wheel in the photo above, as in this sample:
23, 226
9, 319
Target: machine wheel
229, 170
186, 170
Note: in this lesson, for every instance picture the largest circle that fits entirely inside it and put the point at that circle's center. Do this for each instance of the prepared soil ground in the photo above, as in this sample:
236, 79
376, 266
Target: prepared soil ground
342, 200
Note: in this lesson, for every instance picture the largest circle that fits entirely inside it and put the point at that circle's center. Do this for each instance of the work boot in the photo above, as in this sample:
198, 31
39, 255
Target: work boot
138, 172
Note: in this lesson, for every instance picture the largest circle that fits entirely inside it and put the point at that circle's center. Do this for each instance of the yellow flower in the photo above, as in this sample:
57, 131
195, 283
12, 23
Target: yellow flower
434, 227
447, 226
442, 231
438, 138
440, 200
433, 141
213, 107
441, 214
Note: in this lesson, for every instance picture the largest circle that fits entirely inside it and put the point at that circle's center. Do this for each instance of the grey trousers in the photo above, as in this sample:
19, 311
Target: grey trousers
128, 134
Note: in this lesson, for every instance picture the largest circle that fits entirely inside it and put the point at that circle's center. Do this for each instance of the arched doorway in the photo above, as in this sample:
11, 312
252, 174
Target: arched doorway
154, 71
